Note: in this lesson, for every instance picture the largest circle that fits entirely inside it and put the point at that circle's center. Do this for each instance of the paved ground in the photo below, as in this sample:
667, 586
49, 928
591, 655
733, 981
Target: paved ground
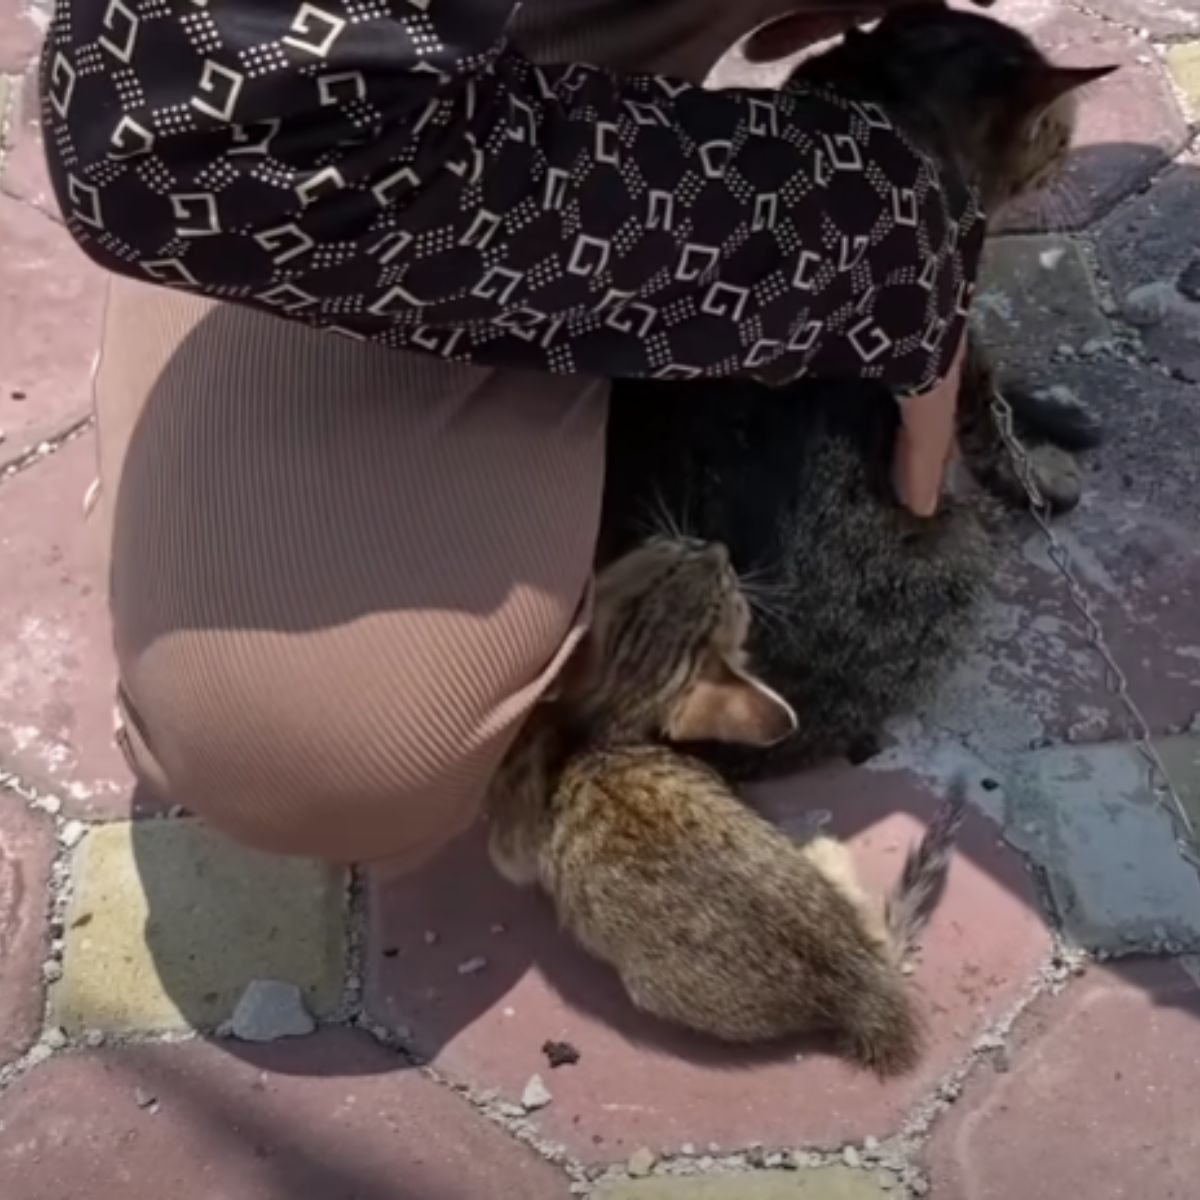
1063, 1007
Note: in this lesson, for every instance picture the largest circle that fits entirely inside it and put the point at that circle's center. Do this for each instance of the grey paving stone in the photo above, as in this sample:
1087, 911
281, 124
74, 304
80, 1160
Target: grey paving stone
1088, 816
1153, 241
1035, 294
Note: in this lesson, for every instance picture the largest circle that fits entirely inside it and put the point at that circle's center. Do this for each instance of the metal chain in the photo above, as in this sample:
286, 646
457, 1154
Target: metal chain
1165, 794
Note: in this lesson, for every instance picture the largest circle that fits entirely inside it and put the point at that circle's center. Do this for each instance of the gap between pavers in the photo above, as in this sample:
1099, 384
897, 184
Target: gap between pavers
1088, 816
816, 1183
168, 922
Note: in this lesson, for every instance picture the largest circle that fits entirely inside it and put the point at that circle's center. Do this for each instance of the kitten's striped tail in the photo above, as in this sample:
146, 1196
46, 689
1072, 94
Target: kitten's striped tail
923, 878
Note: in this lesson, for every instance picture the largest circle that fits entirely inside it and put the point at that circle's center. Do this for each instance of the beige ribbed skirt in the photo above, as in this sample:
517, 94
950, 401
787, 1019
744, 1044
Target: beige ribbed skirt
340, 575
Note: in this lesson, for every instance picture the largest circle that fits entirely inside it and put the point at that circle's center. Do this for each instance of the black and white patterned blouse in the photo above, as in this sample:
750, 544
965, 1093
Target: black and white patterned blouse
396, 171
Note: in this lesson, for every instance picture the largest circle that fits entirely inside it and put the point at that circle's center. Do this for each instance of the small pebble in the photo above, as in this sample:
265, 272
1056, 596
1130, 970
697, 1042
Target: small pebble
756, 1157
1148, 304
918, 1186
1052, 257
72, 833
706, 1163
851, 1157
560, 1054
94, 1039
774, 1160
49, 804
714, 1147
536, 1094
498, 929
270, 1009
39, 1054
472, 966
144, 1099
688, 1149
52, 971
55, 1038
885, 1181
579, 1188
871, 1144
431, 937
641, 1162
511, 1110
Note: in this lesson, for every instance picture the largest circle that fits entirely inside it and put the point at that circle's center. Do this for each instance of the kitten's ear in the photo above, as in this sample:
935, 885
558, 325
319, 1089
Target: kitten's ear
1051, 82
726, 704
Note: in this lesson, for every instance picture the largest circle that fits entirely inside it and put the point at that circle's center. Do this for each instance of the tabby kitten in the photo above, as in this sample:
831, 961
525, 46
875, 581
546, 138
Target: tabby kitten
713, 918
860, 603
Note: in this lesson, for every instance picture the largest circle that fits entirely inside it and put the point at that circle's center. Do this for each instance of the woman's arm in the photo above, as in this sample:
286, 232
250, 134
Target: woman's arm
392, 169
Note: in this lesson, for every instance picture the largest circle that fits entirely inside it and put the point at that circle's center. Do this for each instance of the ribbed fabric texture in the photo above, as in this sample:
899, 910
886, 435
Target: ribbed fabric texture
341, 575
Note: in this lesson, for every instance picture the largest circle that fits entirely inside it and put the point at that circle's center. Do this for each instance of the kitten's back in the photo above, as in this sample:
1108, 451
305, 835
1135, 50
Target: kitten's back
713, 918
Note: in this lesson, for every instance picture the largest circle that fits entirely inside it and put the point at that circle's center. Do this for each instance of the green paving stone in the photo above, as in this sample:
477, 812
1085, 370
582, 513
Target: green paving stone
1183, 61
169, 922
821, 1183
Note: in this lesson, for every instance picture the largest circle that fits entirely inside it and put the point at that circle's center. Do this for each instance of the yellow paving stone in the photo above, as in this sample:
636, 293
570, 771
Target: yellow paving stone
168, 922
819, 1183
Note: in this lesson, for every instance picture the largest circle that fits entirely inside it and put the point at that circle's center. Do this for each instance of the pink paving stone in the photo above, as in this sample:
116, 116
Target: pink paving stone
26, 851
1099, 1100
1129, 124
329, 1117
1141, 572
51, 305
640, 1083
23, 174
20, 36
56, 667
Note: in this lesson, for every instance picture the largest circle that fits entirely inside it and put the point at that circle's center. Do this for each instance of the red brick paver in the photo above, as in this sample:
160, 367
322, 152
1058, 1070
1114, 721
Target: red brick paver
332, 1117
51, 304
1130, 124
56, 667
1100, 1099
639, 1083
26, 851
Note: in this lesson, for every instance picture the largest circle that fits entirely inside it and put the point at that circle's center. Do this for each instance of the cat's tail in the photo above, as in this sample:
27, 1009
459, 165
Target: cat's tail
923, 878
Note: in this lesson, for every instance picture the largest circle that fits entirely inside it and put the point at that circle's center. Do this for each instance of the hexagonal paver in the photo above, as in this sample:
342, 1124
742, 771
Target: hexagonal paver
822, 1183
1029, 677
169, 922
57, 675
1035, 294
1129, 124
1162, 18
51, 305
26, 851
331, 1117
1183, 63
1150, 243
23, 173
640, 1083
1097, 1100
1112, 863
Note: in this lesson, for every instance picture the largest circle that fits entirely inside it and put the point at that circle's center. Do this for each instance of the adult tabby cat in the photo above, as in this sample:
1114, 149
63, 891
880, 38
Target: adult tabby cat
713, 918
862, 603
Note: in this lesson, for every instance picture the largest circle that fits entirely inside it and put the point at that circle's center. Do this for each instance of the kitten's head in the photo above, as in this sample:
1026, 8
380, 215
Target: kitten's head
665, 655
1003, 111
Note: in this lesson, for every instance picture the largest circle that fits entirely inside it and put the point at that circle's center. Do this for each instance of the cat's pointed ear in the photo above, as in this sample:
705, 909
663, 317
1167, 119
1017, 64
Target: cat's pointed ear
1052, 82
727, 704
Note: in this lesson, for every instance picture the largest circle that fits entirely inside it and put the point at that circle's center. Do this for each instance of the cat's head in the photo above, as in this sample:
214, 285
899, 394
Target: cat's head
665, 654
992, 99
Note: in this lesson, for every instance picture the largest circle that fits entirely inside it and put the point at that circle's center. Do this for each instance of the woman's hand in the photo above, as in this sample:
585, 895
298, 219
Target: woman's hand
925, 443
